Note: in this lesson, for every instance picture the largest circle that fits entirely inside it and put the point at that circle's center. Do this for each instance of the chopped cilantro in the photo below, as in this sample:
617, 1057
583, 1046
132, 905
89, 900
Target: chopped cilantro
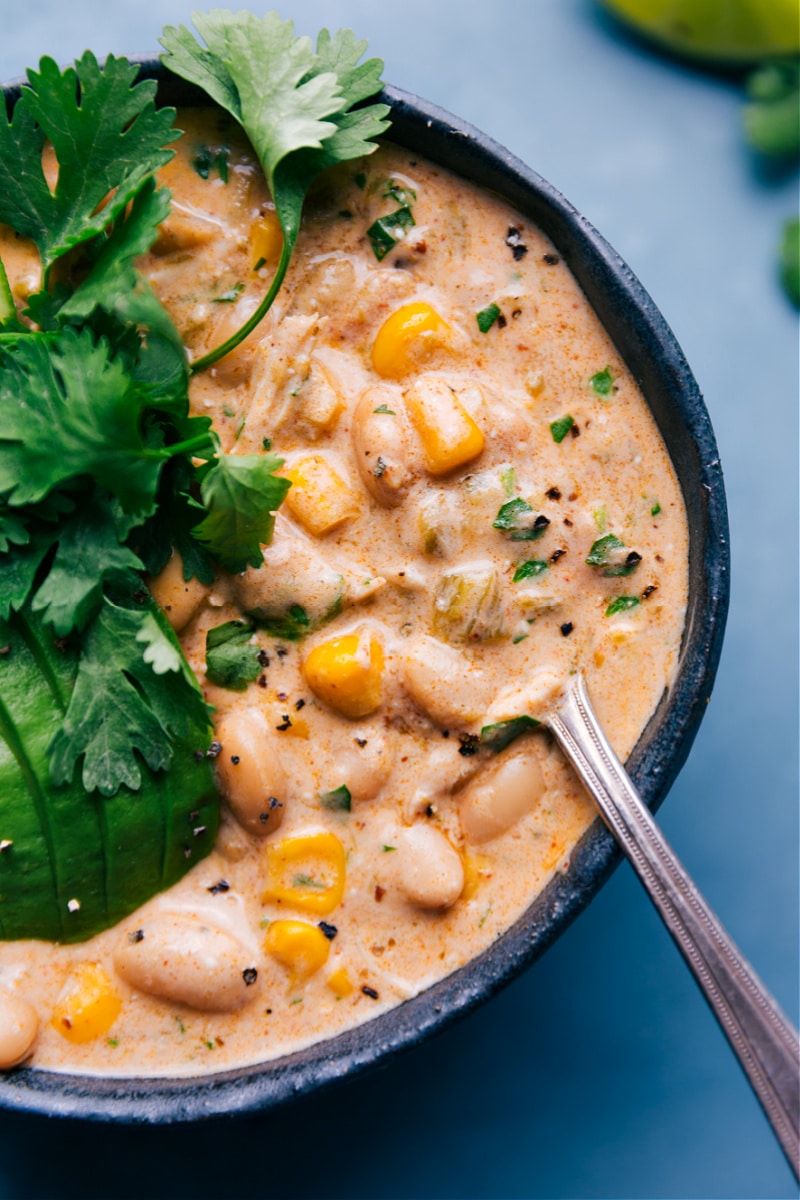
338, 800
266, 443
516, 518
386, 232
503, 733
207, 160
529, 569
560, 428
396, 191
602, 382
231, 658
307, 881
388, 849
384, 408
622, 604
655, 509
487, 317
294, 624
606, 552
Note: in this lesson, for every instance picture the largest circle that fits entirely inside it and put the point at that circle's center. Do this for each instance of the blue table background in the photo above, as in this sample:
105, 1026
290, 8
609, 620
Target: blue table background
600, 1073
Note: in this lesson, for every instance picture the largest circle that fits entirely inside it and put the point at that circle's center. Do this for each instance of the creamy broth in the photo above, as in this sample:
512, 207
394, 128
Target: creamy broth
421, 617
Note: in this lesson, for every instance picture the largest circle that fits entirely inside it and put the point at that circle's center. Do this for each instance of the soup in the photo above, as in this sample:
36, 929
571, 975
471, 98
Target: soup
481, 504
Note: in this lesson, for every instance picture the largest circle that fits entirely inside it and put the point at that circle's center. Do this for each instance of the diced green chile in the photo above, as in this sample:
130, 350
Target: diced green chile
606, 552
516, 519
337, 800
77, 863
386, 232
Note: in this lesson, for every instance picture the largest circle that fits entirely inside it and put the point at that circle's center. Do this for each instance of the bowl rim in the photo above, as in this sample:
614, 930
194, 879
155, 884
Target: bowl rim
650, 349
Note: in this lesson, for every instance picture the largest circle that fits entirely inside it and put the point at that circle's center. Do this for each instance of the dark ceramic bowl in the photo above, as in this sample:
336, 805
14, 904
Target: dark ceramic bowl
651, 352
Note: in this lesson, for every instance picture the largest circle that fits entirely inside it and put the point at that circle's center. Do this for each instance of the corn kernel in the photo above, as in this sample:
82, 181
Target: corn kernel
299, 946
407, 338
450, 438
475, 868
340, 983
319, 497
306, 872
347, 673
266, 240
90, 1006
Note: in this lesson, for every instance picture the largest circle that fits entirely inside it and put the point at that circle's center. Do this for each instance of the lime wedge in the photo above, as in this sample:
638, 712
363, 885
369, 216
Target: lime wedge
720, 31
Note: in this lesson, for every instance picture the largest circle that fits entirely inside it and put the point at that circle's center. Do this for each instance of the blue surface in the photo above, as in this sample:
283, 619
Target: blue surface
600, 1073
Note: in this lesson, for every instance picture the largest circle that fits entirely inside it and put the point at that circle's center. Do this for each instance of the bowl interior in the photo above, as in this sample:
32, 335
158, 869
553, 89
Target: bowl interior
657, 363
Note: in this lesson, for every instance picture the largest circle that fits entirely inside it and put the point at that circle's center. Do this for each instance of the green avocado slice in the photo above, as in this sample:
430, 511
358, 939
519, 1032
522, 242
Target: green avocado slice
73, 863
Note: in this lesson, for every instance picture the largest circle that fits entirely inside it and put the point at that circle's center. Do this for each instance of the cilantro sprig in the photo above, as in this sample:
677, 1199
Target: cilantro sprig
302, 111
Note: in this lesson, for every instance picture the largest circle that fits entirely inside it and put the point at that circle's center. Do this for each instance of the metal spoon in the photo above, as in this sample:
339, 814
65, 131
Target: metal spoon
761, 1036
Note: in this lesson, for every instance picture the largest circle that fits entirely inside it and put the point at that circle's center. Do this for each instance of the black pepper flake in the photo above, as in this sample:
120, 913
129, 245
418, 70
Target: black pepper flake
541, 522
281, 651
470, 744
136, 935
514, 240
648, 591
360, 742
568, 523
567, 628
556, 555
501, 322
285, 724
262, 681
379, 470
214, 750
249, 975
221, 885
235, 759
575, 431
329, 931
283, 696
430, 811
553, 493
274, 803
517, 312
263, 658
552, 260
299, 704
445, 733
633, 558
368, 991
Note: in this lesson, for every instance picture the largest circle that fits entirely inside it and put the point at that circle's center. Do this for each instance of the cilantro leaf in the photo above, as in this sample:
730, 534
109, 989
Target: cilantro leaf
107, 136
622, 604
121, 708
295, 106
89, 552
231, 658
529, 569
241, 494
68, 409
294, 624
337, 800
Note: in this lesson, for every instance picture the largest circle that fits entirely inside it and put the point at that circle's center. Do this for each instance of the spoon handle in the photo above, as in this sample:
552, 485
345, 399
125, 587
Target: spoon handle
761, 1036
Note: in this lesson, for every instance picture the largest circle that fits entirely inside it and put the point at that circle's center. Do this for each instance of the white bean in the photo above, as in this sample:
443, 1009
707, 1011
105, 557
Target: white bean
179, 598
429, 871
444, 683
294, 573
495, 800
189, 962
249, 771
364, 769
19, 1028
380, 446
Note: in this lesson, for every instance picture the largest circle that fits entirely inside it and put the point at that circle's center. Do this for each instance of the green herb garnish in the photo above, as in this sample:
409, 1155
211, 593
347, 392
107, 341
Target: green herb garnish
529, 569
230, 296
602, 383
294, 624
307, 881
231, 658
338, 800
384, 408
302, 111
503, 733
560, 428
606, 553
487, 317
772, 119
207, 160
515, 518
386, 232
655, 509
622, 604
790, 259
